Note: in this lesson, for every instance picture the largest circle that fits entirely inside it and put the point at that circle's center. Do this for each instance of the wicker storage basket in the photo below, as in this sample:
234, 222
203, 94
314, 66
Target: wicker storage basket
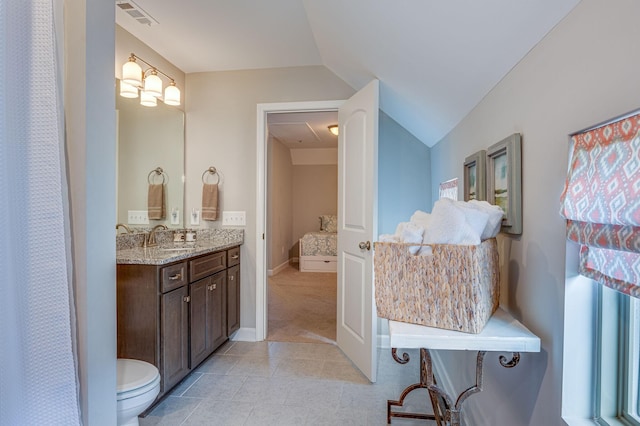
457, 288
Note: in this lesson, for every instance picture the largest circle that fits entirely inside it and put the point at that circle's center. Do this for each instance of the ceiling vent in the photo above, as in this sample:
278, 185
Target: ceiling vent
136, 12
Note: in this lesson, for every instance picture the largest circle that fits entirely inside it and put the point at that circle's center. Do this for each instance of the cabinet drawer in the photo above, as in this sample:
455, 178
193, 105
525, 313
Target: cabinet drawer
207, 265
233, 256
319, 265
173, 276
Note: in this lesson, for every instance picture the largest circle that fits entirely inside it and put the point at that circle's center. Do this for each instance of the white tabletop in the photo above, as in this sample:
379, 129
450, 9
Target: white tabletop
502, 333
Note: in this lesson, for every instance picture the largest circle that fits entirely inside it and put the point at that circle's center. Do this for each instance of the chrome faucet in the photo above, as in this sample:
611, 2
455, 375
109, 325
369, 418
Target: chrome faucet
126, 228
150, 240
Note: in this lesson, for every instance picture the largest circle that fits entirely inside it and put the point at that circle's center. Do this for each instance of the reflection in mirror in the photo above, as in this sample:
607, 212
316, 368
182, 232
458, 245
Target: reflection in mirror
148, 138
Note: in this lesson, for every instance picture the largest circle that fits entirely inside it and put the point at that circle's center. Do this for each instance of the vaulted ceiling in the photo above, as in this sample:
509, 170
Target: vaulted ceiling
435, 59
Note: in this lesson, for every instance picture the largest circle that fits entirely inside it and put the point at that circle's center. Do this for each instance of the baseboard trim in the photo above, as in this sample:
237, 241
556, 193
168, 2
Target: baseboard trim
274, 271
383, 341
244, 334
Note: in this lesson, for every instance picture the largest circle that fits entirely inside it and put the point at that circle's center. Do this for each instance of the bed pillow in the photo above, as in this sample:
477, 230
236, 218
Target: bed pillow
329, 223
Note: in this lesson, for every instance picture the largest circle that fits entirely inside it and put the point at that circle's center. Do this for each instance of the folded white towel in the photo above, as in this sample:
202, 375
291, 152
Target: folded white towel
412, 233
400, 229
495, 217
388, 238
421, 218
449, 225
477, 219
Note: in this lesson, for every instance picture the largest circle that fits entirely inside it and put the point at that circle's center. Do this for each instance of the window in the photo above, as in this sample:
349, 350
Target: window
618, 360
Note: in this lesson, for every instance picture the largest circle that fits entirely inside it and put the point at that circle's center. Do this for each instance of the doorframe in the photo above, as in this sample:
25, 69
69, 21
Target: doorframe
261, 201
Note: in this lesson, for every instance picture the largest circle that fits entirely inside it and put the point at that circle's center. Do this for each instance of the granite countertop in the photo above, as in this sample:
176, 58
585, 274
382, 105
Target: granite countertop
169, 252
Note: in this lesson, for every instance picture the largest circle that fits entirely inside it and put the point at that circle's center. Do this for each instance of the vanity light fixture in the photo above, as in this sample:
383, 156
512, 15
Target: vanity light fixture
148, 82
333, 129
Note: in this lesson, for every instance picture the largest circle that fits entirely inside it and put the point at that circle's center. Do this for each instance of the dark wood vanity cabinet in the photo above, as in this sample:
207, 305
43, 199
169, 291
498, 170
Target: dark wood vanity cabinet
233, 290
174, 337
208, 308
174, 316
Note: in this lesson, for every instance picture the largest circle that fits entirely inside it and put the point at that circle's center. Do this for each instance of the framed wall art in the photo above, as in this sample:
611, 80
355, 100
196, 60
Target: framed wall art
449, 189
475, 187
504, 181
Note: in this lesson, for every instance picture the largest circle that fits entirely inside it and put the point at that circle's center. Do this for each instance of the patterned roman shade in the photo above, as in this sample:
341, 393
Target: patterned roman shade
601, 201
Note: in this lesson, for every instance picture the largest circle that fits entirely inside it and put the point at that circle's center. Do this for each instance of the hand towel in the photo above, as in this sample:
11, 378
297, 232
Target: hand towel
449, 225
421, 218
155, 201
388, 238
495, 217
412, 233
210, 201
476, 218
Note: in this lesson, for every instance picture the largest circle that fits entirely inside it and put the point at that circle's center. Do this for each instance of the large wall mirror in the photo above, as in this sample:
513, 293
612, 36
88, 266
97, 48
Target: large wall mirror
148, 138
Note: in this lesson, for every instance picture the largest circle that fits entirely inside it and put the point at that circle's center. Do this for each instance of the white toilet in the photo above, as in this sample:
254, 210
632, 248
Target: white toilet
138, 386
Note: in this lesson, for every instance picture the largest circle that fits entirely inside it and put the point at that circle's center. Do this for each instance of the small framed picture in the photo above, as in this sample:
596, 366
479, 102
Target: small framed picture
475, 187
449, 189
504, 181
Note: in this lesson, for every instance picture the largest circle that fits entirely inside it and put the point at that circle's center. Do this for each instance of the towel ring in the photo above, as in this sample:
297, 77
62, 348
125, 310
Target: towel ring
212, 171
158, 172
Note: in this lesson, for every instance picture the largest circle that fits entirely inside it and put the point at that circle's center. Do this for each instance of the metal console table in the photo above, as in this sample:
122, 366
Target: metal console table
502, 333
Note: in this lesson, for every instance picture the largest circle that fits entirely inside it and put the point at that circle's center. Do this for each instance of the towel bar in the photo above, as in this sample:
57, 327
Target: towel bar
158, 172
212, 171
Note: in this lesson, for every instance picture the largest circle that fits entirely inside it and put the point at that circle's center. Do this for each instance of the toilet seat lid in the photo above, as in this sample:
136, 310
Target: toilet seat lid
134, 374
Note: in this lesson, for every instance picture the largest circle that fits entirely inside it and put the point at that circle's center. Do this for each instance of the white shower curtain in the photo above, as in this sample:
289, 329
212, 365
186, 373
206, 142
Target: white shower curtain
38, 377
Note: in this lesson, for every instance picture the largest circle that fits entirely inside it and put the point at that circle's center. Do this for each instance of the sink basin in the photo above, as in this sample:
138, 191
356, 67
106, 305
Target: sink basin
176, 248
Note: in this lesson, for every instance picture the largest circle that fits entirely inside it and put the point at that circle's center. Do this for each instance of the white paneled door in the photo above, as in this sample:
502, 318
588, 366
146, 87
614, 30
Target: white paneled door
357, 226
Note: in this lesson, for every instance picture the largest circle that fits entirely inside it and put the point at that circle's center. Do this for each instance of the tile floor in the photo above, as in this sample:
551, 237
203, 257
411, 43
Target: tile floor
284, 383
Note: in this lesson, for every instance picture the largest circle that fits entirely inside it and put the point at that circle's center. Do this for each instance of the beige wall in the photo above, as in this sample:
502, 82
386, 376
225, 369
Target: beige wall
221, 118
279, 203
315, 192
581, 74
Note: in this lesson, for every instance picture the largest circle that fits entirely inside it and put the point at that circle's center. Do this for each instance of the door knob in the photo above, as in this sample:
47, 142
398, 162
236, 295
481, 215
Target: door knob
364, 245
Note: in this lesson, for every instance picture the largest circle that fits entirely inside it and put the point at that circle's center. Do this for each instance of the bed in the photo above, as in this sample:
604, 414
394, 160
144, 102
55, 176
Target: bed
319, 249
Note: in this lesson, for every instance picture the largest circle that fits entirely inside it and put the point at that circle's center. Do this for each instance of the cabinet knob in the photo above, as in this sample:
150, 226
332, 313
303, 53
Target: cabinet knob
175, 277
212, 287
231, 277
235, 256
186, 299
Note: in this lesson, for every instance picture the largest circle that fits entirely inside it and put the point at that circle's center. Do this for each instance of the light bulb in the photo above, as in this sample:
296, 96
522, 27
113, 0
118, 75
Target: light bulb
147, 99
132, 73
153, 84
172, 94
127, 90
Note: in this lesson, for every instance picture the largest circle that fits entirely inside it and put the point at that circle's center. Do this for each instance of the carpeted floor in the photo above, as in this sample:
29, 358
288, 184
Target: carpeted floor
302, 306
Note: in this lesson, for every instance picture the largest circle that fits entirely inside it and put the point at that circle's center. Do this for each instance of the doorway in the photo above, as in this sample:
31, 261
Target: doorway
275, 111
302, 186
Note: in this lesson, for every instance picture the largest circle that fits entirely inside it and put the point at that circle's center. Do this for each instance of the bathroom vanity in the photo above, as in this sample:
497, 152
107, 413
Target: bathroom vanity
177, 305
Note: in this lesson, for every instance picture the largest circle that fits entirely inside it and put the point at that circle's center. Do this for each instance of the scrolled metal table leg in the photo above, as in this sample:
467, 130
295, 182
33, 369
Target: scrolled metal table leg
405, 356
411, 388
515, 359
452, 415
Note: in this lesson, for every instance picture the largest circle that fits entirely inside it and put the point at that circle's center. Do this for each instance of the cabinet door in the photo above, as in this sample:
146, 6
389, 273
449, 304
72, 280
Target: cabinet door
208, 316
233, 299
198, 309
218, 312
174, 337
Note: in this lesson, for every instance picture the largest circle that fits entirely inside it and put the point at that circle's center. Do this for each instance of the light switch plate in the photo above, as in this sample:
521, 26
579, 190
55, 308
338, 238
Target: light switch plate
195, 217
137, 217
234, 218
175, 217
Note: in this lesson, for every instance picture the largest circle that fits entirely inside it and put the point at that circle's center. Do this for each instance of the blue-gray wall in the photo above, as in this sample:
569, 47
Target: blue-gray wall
404, 175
